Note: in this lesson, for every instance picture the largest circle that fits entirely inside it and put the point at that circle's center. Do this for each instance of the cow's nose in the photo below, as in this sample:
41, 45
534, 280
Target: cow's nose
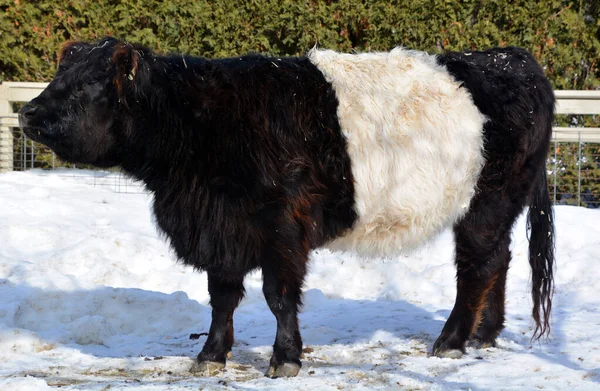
28, 111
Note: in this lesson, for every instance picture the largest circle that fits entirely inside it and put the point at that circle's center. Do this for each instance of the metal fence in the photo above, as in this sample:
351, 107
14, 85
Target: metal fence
27, 154
574, 170
573, 164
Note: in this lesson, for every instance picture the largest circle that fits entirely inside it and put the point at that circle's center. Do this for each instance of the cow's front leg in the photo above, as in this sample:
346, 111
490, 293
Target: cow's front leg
282, 286
226, 292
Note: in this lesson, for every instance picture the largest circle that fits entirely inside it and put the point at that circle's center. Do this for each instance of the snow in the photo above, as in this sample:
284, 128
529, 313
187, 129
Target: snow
92, 297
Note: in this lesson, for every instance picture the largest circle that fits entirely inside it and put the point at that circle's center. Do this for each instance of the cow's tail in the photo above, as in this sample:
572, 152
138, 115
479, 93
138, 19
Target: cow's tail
540, 227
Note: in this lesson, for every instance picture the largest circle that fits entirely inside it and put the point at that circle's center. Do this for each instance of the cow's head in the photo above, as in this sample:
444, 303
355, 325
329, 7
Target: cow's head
80, 114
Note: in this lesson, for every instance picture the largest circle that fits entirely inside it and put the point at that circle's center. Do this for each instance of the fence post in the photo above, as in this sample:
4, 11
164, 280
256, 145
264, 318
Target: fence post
6, 137
579, 169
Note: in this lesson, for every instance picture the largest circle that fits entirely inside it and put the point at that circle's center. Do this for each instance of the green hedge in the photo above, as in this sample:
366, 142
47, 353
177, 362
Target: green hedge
563, 35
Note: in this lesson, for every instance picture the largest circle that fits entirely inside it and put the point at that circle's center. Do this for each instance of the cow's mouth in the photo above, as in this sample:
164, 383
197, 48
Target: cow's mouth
40, 134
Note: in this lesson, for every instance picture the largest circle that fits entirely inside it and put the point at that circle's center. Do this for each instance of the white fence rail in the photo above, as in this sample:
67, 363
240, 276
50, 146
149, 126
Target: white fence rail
577, 102
12, 92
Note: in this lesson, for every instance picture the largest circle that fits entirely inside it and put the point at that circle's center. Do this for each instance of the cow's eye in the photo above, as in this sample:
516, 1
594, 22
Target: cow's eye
93, 80
62, 68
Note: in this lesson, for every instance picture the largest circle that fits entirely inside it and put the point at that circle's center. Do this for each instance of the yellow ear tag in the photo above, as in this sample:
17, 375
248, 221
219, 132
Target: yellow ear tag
131, 75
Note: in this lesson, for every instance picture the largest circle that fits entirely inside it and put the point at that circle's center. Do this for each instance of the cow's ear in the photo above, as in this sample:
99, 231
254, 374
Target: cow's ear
70, 51
132, 68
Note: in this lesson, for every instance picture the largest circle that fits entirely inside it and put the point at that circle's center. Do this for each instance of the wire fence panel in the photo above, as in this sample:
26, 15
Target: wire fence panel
28, 155
574, 173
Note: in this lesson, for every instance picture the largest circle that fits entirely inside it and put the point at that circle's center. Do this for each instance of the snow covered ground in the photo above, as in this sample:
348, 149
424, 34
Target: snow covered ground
92, 298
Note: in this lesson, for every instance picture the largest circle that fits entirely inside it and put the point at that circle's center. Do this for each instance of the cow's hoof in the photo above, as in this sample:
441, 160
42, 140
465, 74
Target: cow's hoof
476, 343
287, 369
445, 349
207, 368
450, 353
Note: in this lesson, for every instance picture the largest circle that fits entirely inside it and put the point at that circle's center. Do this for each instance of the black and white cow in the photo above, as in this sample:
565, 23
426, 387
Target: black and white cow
254, 161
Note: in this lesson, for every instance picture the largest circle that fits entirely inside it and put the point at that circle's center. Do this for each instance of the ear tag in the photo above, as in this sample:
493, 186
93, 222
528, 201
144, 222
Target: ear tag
131, 75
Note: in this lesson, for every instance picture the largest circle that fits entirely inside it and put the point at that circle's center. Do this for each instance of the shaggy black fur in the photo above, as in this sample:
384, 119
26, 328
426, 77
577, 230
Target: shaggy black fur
249, 169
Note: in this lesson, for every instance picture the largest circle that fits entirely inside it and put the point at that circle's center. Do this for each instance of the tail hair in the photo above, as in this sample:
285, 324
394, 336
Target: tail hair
540, 228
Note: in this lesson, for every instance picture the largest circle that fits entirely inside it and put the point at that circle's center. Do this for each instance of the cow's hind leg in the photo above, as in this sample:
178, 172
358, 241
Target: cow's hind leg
282, 287
492, 316
225, 295
482, 240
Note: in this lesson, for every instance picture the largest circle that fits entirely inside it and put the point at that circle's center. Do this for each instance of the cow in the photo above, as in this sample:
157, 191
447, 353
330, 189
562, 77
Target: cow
254, 161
